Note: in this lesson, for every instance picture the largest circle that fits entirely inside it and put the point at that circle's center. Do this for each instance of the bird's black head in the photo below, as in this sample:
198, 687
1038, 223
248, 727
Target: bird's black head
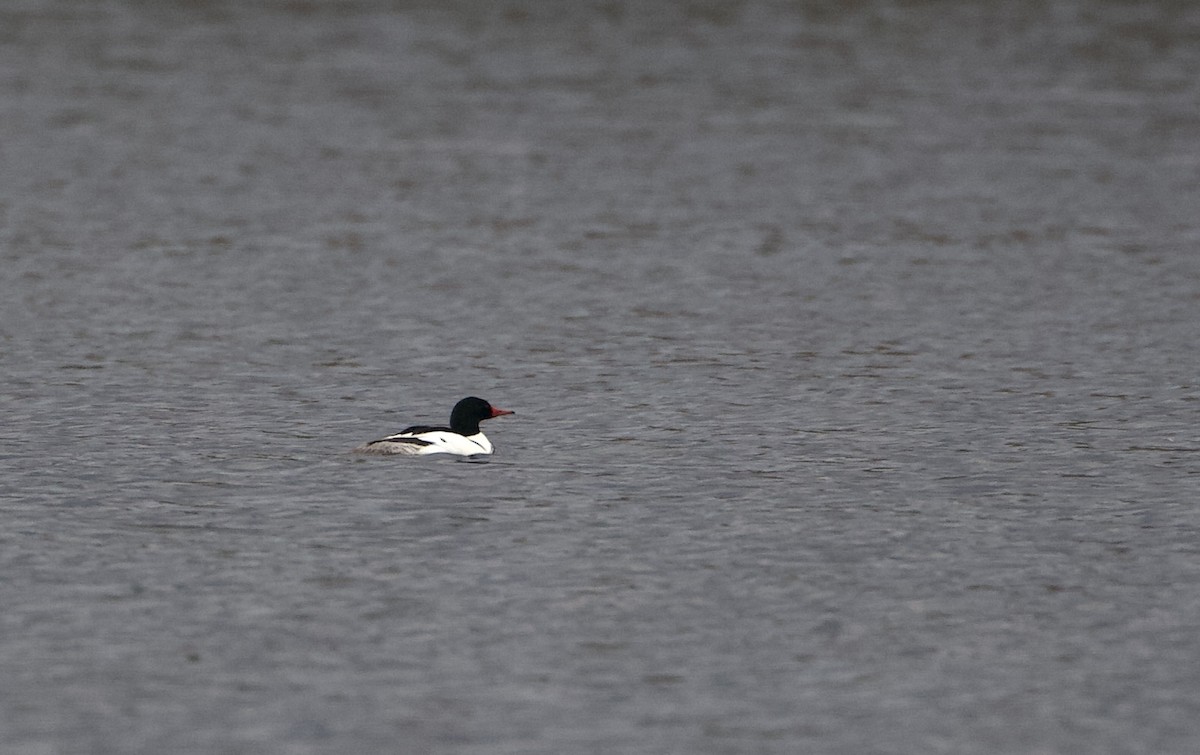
469, 412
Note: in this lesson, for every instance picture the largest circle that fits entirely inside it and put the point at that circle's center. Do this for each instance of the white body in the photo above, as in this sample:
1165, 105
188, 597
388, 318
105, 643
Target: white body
434, 442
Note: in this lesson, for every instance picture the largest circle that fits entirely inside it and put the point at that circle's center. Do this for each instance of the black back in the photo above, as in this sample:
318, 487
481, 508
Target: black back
424, 429
410, 441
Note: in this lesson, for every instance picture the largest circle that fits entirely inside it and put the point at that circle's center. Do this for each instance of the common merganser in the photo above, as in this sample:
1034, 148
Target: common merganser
463, 437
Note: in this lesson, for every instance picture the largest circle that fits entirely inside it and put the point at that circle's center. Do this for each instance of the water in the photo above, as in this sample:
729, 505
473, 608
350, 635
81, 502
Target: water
853, 351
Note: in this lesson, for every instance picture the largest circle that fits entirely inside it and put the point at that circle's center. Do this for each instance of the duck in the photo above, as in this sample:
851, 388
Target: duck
462, 438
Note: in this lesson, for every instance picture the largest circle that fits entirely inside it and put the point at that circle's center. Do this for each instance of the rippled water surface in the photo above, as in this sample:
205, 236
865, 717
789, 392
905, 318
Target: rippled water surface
853, 347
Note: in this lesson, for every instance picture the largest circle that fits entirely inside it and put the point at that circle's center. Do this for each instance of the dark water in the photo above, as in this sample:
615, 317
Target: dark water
854, 349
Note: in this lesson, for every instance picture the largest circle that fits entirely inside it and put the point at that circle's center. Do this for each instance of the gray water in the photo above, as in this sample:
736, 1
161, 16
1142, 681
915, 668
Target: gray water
854, 350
